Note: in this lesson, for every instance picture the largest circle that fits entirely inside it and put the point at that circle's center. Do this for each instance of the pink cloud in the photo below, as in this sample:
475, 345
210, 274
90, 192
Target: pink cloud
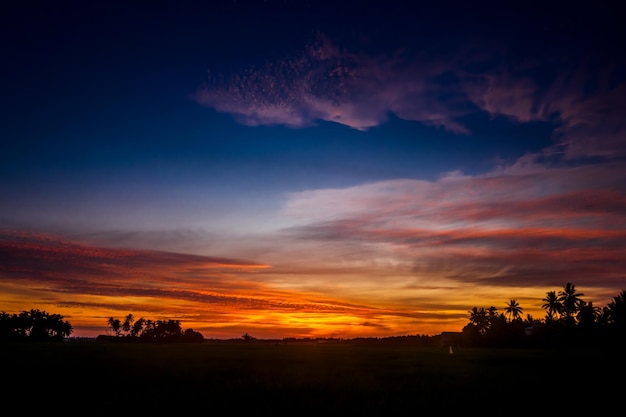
504, 94
508, 227
584, 103
592, 123
326, 83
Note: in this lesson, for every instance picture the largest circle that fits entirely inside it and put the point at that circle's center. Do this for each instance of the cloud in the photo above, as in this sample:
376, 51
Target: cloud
75, 268
505, 95
526, 226
218, 296
583, 102
42, 253
591, 109
327, 83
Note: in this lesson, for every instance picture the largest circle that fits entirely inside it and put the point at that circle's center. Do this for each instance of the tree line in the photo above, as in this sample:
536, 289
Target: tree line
33, 325
146, 330
569, 321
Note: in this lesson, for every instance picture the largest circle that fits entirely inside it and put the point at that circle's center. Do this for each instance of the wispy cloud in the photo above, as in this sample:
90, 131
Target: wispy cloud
584, 104
328, 83
325, 82
501, 94
533, 227
215, 295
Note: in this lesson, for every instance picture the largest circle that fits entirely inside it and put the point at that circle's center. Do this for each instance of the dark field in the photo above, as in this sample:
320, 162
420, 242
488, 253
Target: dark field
87, 378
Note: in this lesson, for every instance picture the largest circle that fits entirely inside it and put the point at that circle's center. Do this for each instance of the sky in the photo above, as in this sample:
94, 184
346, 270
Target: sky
309, 168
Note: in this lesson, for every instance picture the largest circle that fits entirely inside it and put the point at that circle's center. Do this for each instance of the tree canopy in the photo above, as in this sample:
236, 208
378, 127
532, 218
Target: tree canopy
33, 325
146, 330
569, 320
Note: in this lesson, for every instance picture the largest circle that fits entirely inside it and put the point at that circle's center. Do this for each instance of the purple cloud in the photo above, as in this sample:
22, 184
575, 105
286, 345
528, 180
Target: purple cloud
516, 227
328, 83
331, 84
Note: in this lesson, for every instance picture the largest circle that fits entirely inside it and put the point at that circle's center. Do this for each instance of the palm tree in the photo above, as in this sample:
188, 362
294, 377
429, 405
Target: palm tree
38, 327
128, 321
115, 325
59, 328
571, 302
588, 314
137, 327
478, 317
552, 305
615, 311
513, 310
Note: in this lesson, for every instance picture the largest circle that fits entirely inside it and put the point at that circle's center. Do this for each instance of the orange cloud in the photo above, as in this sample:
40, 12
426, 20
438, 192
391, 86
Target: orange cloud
217, 296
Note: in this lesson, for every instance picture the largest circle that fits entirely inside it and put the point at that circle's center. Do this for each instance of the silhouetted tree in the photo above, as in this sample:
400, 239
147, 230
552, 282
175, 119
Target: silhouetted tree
152, 331
7, 331
571, 302
588, 315
149, 325
487, 327
137, 327
115, 325
191, 336
615, 311
34, 325
497, 332
552, 305
128, 321
478, 318
513, 310
614, 317
162, 331
570, 321
59, 328
530, 319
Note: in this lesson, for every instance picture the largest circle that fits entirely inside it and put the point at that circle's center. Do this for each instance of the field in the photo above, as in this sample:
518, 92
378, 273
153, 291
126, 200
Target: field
84, 378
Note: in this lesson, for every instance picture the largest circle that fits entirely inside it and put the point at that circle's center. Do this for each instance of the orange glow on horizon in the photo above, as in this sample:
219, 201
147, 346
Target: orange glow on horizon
224, 298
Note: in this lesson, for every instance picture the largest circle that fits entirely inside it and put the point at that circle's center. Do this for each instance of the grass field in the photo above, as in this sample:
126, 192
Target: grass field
92, 377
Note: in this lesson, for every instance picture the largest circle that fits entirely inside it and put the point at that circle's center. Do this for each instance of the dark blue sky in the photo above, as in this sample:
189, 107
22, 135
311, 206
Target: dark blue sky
119, 76
100, 95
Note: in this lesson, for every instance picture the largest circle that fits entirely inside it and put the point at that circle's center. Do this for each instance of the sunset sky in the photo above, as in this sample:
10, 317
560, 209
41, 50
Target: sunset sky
309, 168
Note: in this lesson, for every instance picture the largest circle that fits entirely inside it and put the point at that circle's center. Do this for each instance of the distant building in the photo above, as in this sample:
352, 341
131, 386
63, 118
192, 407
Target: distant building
528, 331
450, 338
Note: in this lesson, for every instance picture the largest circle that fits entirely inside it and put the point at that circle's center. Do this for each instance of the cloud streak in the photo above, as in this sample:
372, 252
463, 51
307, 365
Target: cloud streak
534, 227
217, 296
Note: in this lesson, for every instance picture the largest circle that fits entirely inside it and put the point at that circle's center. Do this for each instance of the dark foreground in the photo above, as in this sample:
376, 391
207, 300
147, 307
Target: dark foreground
90, 378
